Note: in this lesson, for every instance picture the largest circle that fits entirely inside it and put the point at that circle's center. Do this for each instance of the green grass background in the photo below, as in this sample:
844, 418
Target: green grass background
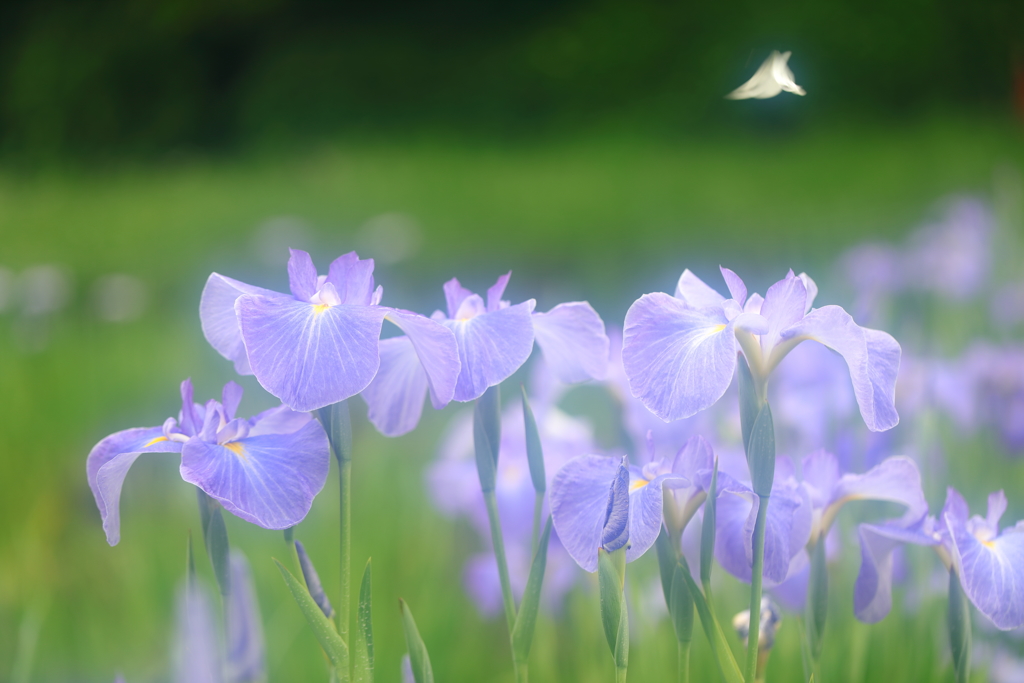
606, 216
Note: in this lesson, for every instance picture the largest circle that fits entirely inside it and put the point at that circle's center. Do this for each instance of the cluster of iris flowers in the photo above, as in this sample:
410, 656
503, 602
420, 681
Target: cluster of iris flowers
767, 520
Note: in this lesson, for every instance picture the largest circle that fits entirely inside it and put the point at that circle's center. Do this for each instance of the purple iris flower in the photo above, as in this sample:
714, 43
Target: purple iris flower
197, 656
680, 351
321, 344
266, 469
495, 338
455, 489
989, 563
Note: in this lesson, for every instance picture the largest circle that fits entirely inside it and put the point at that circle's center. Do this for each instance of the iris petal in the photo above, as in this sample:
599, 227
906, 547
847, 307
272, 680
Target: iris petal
395, 396
872, 592
492, 346
269, 480
695, 293
352, 278
678, 360
310, 356
579, 503
219, 320
573, 341
437, 350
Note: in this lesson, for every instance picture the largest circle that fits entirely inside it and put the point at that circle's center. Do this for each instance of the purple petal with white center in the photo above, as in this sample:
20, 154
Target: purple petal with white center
872, 356
269, 480
437, 350
615, 533
219, 320
108, 464
455, 294
492, 346
784, 305
573, 341
310, 356
246, 650
495, 291
737, 509
302, 278
197, 645
895, 479
678, 360
396, 394
737, 290
352, 278
991, 569
579, 505
695, 293
872, 592
645, 512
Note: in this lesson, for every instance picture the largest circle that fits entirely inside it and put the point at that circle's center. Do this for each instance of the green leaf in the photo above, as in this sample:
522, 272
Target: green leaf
959, 628
817, 600
750, 405
534, 450
681, 606
486, 468
362, 650
666, 564
190, 564
522, 633
709, 528
713, 630
323, 628
215, 537
337, 422
418, 657
289, 535
761, 453
611, 575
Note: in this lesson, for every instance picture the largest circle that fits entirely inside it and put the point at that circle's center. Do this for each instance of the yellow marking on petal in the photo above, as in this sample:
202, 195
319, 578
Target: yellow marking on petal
718, 328
320, 308
156, 440
991, 545
638, 484
236, 448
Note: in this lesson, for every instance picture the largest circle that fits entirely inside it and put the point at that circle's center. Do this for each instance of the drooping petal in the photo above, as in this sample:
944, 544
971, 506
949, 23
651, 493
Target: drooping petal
695, 293
279, 420
396, 394
573, 340
269, 480
872, 356
872, 592
784, 305
678, 360
991, 571
737, 511
895, 479
108, 464
737, 290
246, 650
495, 291
579, 505
219, 320
454, 294
645, 512
302, 278
437, 350
491, 347
310, 356
352, 278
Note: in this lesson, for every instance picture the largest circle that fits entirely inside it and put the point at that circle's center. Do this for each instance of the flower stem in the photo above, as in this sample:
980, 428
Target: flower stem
345, 477
499, 555
538, 507
684, 662
755, 590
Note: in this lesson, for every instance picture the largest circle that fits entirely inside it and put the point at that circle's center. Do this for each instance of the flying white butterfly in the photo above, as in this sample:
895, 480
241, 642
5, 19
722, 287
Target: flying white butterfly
771, 78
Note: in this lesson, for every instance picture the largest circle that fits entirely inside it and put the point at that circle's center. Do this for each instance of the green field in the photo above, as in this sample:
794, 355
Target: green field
605, 216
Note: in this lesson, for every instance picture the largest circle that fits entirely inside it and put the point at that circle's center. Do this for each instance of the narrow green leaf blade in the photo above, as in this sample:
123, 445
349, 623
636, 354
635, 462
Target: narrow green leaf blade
534, 449
418, 657
713, 630
611, 572
817, 600
323, 628
749, 403
709, 529
959, 617
526, 620
485, 466
337, 422
761, 452
666, 564
218, 548
362, 651
681, 606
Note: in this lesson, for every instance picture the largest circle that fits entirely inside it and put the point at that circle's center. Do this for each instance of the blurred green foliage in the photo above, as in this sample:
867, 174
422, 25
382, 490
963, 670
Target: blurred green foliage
113, 77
